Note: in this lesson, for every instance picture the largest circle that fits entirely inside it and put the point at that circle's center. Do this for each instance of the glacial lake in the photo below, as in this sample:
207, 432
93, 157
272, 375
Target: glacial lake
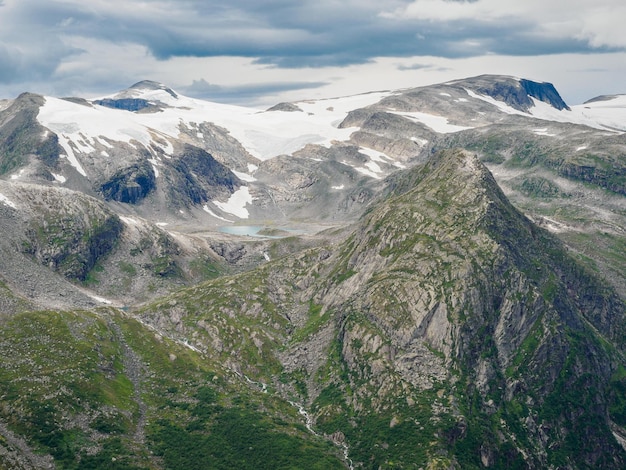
254, 231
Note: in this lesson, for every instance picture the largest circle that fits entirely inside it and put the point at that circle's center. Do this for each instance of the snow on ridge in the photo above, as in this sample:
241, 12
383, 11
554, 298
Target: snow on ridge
607, 115
236, 204
264, 134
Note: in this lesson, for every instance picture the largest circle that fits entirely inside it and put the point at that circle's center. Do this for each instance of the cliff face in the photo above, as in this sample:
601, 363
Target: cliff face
447, 322
451, 267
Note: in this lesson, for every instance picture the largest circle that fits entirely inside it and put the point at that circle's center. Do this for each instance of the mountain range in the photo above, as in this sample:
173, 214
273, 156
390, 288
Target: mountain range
420, 278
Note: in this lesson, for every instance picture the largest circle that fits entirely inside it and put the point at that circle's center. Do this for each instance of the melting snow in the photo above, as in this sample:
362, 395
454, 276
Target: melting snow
375, 155
236, 204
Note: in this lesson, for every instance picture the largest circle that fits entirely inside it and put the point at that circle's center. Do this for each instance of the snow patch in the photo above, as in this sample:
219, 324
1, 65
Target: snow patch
501, 105
102, 300
236, 204
543, 131
18, 175
60, 178
244, 176
375, 155
155, 163
438, 124
338, 187
7, 202
65, 143
364, 171
206, 209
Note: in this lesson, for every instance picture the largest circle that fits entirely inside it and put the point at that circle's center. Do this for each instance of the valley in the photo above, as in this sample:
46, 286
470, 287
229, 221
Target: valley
421, 278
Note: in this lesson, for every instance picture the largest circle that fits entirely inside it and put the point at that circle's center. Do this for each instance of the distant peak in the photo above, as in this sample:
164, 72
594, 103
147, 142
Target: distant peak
152, 85
603, 98
515, 92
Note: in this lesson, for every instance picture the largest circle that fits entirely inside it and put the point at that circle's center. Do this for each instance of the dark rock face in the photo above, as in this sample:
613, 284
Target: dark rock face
196, 176
517, 93
131, 184
72, 244
20, 135
544, 92
127, 104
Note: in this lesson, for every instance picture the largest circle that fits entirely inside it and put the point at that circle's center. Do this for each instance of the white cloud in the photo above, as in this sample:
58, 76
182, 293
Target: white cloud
598, 21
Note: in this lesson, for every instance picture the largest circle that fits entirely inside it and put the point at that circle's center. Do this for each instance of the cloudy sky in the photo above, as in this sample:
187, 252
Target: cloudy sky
260, 52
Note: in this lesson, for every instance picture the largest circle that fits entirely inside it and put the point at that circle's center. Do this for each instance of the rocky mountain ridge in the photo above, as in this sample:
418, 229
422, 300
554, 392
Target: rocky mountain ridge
420, 290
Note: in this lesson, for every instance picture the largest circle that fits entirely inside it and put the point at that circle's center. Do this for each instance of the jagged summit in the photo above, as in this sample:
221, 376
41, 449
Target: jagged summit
151, 85
146, 95
603, 98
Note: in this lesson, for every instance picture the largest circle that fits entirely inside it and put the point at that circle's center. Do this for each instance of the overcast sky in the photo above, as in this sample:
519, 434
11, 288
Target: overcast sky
260, 52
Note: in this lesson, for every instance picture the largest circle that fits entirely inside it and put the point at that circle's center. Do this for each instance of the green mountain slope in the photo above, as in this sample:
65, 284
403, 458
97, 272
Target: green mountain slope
447, 331
99, 390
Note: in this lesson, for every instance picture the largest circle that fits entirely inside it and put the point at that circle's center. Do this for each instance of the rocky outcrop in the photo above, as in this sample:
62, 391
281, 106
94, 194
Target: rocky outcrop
71, 233
131, 184
544, 92
22, 137
127, 104
195, 177
285, 107
516, 93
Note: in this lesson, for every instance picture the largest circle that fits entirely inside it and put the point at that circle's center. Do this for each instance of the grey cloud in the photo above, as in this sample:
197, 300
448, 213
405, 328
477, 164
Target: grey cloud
295, 34
279, 33
242, 94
